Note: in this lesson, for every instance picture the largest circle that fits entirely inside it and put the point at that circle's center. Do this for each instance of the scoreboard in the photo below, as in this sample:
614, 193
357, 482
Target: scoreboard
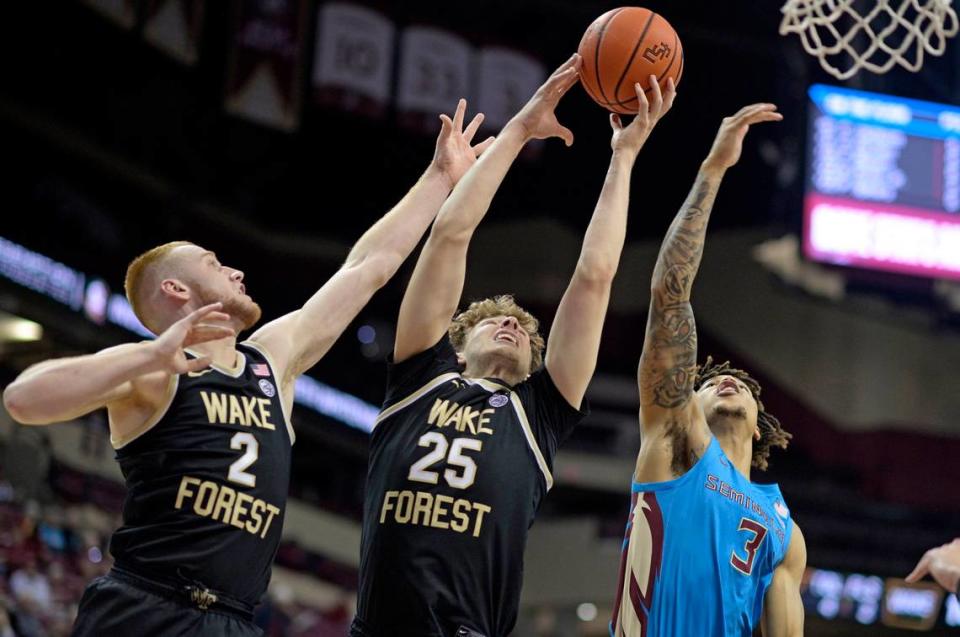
883, 183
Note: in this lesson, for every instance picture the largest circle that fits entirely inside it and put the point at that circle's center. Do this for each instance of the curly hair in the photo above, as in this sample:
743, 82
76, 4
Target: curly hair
772, 433
502, 305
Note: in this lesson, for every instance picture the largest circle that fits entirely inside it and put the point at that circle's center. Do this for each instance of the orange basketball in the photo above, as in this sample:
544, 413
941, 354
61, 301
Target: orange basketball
625, 46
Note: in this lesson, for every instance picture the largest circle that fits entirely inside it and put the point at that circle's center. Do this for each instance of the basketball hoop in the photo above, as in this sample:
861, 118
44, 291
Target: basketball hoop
891, 32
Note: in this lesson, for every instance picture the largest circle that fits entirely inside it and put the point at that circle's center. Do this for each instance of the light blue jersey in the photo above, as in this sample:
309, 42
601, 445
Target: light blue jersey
699, 553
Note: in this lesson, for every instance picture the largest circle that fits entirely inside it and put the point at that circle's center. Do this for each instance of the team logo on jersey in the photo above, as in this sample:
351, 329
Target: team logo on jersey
781, 509
267, 388
640, 565
498, 400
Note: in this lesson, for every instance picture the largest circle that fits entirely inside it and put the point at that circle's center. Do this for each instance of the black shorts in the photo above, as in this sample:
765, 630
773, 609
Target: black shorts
359, 629
114, 606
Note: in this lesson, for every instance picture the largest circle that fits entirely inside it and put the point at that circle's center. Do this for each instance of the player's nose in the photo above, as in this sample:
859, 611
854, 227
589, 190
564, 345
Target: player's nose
236, 275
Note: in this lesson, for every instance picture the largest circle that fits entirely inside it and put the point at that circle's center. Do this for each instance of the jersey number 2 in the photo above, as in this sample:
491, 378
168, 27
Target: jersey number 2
420, 472
759, 532
251, 451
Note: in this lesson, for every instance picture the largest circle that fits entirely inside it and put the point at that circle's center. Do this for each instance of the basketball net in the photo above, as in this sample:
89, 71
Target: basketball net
891, 32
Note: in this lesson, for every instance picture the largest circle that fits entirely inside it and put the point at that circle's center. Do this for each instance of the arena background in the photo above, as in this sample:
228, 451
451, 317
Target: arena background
275, 132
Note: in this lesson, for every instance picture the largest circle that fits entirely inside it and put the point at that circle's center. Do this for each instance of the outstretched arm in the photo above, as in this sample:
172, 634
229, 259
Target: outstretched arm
66, 388
297, 341
575, 335
434, 290
782, 606
942, 564
667, 369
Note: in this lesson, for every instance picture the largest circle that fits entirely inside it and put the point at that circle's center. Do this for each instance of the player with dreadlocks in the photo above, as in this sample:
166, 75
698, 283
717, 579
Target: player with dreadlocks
772, 434
707, 552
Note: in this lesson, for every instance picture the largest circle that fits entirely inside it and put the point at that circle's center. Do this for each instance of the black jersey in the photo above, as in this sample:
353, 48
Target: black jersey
207, 480
458, 468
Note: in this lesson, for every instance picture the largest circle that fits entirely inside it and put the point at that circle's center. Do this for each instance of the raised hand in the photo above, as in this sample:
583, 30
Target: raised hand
537, 118
454, 154
168, 347
729, 141
941, 563
632, 137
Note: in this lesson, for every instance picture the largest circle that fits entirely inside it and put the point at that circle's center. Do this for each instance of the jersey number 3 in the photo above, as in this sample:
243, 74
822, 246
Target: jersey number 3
420, 471
759, 532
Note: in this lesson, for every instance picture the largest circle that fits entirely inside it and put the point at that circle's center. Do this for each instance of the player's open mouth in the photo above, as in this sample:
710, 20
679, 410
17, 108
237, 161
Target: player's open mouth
505, 337
727, 388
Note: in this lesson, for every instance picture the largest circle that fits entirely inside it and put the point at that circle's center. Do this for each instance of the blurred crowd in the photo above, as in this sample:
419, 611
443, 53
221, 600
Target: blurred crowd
49, 553
46, 559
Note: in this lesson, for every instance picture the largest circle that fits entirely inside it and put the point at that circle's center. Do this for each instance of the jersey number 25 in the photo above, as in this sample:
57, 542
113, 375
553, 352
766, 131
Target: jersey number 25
420, 471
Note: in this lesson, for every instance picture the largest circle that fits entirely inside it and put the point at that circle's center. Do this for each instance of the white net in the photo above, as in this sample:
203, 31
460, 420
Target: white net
849, 35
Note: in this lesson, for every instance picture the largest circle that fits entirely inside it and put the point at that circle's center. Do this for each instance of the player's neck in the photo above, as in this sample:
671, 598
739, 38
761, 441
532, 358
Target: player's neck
738, 449
222, 353
506, 373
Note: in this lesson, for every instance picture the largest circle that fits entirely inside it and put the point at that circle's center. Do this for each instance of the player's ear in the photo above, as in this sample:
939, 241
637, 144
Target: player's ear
175, 288
756, 433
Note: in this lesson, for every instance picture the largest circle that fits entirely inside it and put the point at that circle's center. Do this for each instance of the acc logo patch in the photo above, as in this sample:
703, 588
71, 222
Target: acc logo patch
267, 388
781, 509
498, 400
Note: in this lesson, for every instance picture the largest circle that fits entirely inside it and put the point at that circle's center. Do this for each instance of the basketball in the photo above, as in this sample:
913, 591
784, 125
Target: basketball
625, 46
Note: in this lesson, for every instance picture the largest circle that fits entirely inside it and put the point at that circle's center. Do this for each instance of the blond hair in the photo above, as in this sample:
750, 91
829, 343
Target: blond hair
502, 305
136, 281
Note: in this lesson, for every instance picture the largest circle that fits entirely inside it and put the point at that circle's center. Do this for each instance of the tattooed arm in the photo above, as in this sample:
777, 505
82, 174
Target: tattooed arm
667, 367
